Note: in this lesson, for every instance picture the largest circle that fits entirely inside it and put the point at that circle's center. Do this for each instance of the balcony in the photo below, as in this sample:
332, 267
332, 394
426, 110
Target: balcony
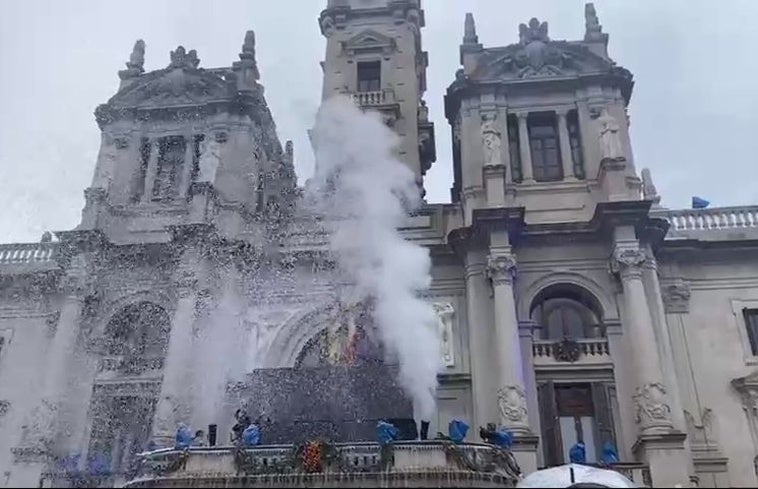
420, 464
711, 224
129, 365
28, 257
374, 99
560, 353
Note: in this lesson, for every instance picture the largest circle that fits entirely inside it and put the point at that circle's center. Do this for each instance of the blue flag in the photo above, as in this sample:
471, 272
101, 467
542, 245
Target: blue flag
502, 438
698, 203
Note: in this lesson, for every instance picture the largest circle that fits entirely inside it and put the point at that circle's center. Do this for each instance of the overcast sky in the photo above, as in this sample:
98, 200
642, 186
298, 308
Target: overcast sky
693, 111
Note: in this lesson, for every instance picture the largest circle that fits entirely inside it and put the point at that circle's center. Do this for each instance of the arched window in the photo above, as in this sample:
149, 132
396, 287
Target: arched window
139, 329
567, 311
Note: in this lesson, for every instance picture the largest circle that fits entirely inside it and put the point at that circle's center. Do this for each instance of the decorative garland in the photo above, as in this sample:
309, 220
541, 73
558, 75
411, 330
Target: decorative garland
167, 463
496, 459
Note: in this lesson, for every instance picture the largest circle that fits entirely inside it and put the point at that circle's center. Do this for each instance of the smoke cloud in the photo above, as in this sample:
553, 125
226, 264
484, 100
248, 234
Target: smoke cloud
365, 193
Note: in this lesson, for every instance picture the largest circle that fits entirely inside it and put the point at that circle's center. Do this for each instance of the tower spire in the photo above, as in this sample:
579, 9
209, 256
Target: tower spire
593, 29
469, 30
136, 64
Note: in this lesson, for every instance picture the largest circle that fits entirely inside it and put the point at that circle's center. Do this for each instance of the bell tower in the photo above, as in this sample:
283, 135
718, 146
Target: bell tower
374, 55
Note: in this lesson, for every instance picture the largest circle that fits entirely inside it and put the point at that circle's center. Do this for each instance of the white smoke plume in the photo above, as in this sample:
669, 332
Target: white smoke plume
365, 194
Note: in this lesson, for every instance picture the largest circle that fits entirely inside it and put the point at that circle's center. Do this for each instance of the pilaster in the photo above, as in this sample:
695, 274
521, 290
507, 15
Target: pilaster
565, 145
525, 148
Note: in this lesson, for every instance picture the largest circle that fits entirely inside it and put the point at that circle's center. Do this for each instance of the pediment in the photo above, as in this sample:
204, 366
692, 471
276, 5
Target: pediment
539, 59
369, 40
173, 86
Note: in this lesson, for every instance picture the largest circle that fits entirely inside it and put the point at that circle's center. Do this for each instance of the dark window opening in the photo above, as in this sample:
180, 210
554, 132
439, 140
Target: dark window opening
139, 182
575, 141
567, 312
369, 76
171, 153
514, 148
751, 323
197, 146
543, 141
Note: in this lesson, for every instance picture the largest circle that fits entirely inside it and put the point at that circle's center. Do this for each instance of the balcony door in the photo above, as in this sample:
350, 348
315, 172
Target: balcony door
573, 412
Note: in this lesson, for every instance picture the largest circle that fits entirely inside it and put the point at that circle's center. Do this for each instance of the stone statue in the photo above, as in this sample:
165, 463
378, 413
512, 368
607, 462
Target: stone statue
137, 58
491, 140
210, 158
610, 139
649, 192
535, 31
445, 312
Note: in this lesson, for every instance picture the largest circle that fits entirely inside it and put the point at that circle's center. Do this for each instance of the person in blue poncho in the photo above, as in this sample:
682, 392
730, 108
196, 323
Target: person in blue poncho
251, 436
578, 453
183, 437
457, 430
386, 433
609, 455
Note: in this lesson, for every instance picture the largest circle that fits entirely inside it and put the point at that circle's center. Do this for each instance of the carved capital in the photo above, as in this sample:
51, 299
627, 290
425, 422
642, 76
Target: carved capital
676, 297
628, 263
77, 285
501, 268
511, 401
651, 407
186, 282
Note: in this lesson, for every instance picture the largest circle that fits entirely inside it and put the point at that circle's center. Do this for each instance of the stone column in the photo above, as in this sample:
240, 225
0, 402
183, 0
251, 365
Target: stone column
565, 144
152, 170
189, 156
524, 148
479, 317
41, 426
651, 401
511, 395
175, 393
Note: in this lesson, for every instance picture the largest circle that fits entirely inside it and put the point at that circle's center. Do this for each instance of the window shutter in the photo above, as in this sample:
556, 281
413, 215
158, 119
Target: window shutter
551, 433
603, 416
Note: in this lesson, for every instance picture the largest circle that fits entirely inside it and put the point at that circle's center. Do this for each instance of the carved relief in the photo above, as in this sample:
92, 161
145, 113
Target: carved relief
500, 268
4, 407
700, 432
445, 313
512, 403
627, 262
651, 408
491, 142
676, 297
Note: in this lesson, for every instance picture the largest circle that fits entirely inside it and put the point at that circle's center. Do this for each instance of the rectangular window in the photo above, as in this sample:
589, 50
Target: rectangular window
171, 153
751, 323
543, 141
575, 141
138, 187
514, 148
369, 76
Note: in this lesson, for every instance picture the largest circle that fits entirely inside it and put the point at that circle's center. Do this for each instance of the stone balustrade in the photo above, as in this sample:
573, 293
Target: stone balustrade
404, 464
131, 365
717, 219
27, 253
560, 352
369, 99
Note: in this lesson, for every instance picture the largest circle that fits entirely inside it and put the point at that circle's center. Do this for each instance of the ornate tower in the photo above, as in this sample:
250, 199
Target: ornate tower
186, 145
541, 124
374, 54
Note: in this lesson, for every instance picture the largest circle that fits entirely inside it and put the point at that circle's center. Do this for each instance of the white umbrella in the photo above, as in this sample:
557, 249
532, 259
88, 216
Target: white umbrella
561, 477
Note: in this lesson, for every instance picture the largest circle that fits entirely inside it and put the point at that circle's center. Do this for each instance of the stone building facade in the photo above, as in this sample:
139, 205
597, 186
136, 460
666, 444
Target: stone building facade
572, 306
